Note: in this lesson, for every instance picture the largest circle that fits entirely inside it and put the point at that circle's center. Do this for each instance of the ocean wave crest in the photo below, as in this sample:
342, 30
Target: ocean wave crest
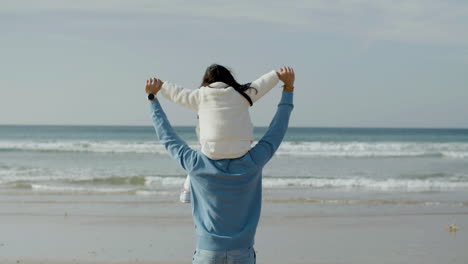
83, 146
78, 189
374, 149
149, 184
311, 149
371, 184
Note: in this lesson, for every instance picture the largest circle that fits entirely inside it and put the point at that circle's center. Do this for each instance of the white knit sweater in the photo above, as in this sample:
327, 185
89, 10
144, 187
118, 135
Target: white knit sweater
225, 128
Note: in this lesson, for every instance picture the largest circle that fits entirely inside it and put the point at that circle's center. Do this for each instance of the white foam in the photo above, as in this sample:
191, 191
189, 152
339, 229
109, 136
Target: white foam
374, 149
157, 185
85, 146
164, 181
314, 149
77, 189
13, 174
454, 154
367, 183
155, 193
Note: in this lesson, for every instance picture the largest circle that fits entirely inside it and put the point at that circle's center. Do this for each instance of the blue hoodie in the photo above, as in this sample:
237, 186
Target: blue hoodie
227, 193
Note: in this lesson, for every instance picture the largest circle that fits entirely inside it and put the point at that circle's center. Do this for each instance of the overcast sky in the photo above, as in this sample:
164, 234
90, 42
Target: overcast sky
372, 63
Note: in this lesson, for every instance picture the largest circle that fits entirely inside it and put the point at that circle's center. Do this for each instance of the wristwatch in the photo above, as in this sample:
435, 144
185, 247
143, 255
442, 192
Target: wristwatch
151, 97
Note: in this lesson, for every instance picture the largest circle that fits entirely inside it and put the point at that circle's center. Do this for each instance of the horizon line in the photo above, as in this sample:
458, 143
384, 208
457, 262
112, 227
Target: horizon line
365, 127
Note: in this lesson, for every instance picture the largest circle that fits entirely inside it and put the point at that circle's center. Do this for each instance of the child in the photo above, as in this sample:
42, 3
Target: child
225, 130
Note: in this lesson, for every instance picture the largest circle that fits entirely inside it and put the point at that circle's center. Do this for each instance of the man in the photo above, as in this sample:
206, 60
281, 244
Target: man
227, 193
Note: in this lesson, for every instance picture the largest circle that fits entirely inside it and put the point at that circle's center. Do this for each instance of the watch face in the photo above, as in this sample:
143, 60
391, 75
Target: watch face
150, 96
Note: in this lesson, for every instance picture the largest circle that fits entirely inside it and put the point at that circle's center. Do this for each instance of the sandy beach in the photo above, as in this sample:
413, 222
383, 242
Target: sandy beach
119, 229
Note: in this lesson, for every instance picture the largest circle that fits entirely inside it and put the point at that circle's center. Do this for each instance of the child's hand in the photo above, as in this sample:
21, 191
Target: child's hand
153, 85
286, 75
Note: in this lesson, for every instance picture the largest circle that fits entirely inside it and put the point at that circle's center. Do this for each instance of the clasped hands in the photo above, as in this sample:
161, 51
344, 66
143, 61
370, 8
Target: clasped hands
286, 75
153, 85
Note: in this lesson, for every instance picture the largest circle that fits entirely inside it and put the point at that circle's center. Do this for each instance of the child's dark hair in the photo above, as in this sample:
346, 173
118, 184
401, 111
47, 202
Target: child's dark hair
219, 73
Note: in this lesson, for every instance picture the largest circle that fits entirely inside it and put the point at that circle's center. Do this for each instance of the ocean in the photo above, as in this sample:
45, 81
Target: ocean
323, 165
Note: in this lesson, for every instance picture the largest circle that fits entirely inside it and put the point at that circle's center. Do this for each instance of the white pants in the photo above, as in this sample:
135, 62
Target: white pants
187, 183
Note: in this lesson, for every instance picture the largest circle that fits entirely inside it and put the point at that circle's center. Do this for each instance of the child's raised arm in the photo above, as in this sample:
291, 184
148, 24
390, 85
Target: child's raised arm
182, 96
263, 85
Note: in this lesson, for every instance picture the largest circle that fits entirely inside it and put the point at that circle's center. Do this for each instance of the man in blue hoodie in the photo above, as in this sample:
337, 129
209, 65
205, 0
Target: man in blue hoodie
227, 193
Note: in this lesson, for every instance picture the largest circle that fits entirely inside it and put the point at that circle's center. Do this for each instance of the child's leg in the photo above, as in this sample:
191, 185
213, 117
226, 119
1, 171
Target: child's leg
187, 183
185, 193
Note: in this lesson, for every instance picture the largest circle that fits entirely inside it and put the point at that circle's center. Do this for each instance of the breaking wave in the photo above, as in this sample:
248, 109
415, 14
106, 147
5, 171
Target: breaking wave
149, 185
312, 149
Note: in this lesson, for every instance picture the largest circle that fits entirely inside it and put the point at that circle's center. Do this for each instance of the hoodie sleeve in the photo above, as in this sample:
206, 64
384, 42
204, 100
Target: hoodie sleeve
176, 147
270, 142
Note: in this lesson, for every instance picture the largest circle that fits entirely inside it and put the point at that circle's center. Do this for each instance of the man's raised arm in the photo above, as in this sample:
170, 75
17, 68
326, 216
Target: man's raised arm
269, 143
176, 147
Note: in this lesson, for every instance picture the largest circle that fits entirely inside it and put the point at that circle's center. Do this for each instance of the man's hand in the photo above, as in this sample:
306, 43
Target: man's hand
286, 75
153, 86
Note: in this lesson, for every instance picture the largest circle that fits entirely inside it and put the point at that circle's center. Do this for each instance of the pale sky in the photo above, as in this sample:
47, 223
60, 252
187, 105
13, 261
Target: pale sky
371, 63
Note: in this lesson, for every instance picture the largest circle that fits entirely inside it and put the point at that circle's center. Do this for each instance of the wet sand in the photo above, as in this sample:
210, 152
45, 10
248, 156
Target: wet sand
73, 229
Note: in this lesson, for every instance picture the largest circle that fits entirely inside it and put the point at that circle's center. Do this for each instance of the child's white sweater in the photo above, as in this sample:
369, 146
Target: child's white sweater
225, 128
